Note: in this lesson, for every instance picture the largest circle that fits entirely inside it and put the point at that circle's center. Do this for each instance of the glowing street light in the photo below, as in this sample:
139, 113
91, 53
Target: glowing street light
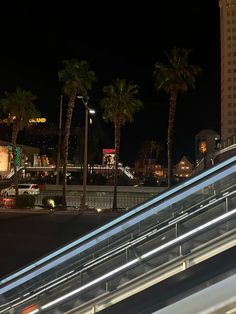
85, 163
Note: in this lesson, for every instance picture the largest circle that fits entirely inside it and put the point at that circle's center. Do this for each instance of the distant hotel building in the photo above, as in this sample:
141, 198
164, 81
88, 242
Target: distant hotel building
183, 169
206, 145
228, 68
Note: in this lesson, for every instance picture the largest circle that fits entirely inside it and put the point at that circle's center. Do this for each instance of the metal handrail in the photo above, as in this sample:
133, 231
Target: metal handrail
62, 254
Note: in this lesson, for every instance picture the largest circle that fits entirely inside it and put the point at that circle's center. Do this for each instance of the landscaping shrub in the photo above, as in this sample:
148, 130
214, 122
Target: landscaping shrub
52, 201
25, 201
150, 181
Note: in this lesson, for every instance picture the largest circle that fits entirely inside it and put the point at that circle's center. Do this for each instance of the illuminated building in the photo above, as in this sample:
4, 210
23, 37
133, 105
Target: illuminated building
183, 168
228, 68
206, 144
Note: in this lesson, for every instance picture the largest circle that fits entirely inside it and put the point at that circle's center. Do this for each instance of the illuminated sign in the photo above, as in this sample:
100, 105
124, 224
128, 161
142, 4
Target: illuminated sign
3, 158
33, 120
108, 151
108, 156
37, 120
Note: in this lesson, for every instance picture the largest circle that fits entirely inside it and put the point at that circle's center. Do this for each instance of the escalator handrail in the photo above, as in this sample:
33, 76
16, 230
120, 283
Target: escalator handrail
62, 254
158, 249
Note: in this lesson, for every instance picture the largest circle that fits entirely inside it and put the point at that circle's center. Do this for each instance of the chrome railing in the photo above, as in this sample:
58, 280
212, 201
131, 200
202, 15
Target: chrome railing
196, 194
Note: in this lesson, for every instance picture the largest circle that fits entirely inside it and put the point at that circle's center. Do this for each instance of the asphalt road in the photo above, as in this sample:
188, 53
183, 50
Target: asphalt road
27, 236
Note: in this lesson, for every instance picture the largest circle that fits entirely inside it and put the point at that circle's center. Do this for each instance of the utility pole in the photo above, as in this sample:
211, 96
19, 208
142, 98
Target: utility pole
59, 142
85, 165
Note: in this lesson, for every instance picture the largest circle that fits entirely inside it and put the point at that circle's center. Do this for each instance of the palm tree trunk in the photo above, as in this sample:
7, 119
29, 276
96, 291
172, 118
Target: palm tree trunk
117, 153
14, 137
172, 109
70, 109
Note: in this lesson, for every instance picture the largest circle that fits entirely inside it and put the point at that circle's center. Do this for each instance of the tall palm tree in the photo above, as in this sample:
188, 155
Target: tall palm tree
120, 104
77, 79
174, 77
19, 107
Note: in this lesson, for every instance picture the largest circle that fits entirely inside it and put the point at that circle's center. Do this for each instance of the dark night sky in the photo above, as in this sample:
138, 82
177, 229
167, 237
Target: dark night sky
118, 39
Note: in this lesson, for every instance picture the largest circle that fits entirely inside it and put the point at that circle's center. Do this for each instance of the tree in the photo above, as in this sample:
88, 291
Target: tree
150, 150
77, 79
19, 108
174, 77
120, 104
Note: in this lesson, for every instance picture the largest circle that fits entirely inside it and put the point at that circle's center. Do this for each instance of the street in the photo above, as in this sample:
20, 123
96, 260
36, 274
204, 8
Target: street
27, 236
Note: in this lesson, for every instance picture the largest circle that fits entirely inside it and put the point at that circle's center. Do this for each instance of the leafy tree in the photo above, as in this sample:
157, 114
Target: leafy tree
77, 79
120, 104
19, 108
177, 75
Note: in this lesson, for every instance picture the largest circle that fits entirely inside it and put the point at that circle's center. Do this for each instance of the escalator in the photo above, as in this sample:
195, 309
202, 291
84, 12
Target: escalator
153, 241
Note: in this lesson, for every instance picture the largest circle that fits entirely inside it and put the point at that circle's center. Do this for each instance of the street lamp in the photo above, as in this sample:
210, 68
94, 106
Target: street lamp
85, 163
59, 142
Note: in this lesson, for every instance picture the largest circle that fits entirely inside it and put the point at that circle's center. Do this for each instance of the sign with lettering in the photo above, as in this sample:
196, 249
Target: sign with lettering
37, 120
33, 120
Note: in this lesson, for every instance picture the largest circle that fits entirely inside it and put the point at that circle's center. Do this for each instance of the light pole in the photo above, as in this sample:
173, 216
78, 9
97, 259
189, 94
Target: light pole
85, 162
59, 143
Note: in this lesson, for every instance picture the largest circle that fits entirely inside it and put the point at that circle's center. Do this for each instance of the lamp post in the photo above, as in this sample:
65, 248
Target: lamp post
59, 143
85, 162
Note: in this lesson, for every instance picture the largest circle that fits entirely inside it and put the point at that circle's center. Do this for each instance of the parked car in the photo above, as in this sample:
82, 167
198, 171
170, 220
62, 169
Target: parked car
22, 188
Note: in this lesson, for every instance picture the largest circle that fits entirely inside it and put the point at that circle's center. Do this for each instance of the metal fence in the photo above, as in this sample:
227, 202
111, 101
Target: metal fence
100, 199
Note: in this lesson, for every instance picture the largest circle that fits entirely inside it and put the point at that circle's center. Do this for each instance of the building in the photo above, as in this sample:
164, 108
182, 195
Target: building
183, 169
44, 136
148, 167
24, 154
206, 145
28, 151
228, 67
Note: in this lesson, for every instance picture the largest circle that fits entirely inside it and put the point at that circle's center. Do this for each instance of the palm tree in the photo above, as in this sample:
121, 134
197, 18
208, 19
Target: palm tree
120, 104
174, 77
77, 79
19, 107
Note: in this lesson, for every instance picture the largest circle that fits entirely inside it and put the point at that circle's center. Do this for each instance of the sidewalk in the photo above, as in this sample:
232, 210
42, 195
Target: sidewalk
40, 210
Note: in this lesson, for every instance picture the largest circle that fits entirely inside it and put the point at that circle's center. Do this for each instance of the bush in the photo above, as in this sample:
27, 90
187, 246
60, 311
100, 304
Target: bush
123, 180
96, 179
150, 181
52, 201
25, 200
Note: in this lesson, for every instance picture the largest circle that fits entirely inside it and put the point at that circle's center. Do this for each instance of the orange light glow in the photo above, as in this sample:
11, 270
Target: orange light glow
203, 147
29, 309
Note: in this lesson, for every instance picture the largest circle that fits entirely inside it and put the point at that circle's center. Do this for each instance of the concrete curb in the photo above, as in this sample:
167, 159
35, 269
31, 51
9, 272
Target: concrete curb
57, 212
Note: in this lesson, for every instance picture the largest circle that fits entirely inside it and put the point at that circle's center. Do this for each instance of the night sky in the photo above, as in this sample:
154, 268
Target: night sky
119, 39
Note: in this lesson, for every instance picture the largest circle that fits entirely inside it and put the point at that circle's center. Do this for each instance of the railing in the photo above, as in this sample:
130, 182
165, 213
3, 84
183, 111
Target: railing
124, 266
201, 192
228, 142
12, 173
100, 199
